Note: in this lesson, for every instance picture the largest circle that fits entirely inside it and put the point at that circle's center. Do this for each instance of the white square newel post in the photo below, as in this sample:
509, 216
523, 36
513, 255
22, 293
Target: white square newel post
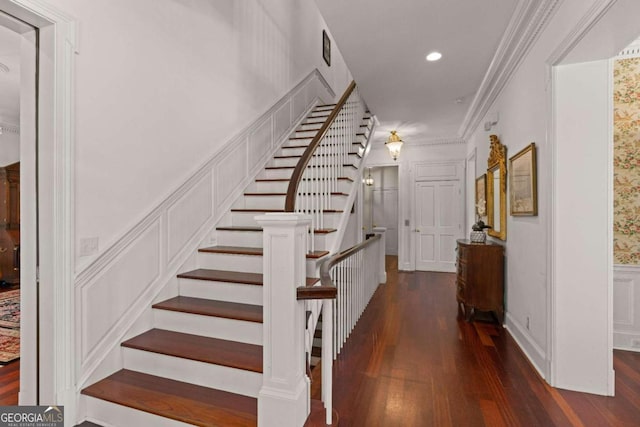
382, 272
283, 400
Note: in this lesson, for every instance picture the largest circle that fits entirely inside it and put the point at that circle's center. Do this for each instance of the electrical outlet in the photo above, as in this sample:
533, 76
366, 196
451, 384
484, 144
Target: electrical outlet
528, 323
88, 246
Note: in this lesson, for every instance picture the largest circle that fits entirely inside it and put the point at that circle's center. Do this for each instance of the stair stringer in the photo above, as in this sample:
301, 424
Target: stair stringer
105, 357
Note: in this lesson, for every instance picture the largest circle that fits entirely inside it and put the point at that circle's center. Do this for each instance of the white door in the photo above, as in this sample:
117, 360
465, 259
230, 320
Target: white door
438, 224
385, 214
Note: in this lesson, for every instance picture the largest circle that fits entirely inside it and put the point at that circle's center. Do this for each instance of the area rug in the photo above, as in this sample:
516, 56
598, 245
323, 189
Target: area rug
9, 326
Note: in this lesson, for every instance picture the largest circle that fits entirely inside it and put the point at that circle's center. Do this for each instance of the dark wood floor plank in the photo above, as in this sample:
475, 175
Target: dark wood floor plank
9, 383
412, 360
177, 400
207, 307
203, 349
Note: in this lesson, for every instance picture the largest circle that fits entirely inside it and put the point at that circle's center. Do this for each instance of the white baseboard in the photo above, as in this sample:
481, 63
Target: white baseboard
529, 347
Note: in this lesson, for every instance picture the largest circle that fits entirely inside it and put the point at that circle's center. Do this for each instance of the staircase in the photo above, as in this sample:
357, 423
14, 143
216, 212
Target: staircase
201, 364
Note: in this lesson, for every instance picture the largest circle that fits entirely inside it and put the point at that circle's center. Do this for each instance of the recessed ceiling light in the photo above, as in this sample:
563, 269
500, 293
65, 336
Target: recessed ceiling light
434, 56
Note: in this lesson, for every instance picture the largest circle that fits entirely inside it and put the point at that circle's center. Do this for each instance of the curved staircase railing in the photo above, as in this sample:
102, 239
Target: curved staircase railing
316, 176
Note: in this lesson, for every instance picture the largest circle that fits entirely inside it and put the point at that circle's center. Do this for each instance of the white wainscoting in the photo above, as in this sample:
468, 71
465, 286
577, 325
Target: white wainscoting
626, 307
115, 290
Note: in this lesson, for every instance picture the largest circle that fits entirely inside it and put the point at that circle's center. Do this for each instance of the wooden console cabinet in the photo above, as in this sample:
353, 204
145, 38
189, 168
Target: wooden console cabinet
480, 278
10, 224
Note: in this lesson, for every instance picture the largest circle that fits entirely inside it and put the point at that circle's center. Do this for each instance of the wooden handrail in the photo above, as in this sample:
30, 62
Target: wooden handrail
326, 289
296, 177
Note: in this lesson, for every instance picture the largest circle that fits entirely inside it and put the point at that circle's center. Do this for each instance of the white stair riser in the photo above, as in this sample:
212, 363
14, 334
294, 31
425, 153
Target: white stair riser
254, 239
109, 414
312, 125
230, 262
204, 374
209, 326
292, 151
319, 114
223, 291
293, 161
250, 239
276, 173
247, 219
309, 132
290, 161
264, 202
269, 187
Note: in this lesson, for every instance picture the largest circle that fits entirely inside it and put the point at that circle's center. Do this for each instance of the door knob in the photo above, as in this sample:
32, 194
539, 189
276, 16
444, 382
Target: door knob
417, 230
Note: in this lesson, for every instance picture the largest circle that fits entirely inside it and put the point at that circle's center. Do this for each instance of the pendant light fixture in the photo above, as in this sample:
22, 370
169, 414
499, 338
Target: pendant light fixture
394, 144
368, 181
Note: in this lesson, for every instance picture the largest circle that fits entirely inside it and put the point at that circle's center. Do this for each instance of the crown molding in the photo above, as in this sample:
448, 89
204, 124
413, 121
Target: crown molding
439, 141
591, 18
527, 22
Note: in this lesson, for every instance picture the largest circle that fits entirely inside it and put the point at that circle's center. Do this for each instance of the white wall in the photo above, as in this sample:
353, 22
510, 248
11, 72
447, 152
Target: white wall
525, 110
163, 84
583, 226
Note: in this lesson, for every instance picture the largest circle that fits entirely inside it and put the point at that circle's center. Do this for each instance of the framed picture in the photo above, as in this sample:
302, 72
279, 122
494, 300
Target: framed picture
523, 192
481, 196
326, 47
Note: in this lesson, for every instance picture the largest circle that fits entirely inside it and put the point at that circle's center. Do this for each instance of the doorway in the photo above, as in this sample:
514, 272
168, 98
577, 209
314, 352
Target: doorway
381, 204
438, 224
18, 53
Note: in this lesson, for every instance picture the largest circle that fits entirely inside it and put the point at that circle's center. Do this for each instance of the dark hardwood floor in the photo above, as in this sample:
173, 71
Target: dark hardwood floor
413, 361
9, 383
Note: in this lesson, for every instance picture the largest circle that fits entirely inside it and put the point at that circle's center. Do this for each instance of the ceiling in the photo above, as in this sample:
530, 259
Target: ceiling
385, 43
9, 76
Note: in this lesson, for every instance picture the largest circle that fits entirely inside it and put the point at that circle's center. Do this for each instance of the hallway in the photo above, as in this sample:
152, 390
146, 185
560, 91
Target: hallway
411, 361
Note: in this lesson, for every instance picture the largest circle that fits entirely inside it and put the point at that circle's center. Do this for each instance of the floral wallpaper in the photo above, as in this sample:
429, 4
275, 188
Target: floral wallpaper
626, 160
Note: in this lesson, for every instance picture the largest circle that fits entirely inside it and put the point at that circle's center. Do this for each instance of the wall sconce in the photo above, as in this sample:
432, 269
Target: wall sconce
368, 181
394, 144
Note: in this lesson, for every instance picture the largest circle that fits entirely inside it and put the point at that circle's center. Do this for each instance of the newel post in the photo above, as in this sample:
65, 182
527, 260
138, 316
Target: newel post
382, 273
283, 400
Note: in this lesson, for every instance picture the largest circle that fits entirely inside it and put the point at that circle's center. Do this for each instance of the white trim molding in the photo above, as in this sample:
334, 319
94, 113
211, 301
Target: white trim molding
626, 307
527, 22
58, 41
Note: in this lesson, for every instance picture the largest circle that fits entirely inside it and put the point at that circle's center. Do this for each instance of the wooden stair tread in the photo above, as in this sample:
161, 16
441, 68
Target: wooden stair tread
223, 276
232, 250
325, 230
240, 228
255, 210
259, 229
277, 210
213, 308
241, 250
334, 193
231, 277
233, 354
189, 403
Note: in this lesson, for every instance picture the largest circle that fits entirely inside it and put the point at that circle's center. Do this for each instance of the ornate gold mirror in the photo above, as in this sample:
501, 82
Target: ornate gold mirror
497, 189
